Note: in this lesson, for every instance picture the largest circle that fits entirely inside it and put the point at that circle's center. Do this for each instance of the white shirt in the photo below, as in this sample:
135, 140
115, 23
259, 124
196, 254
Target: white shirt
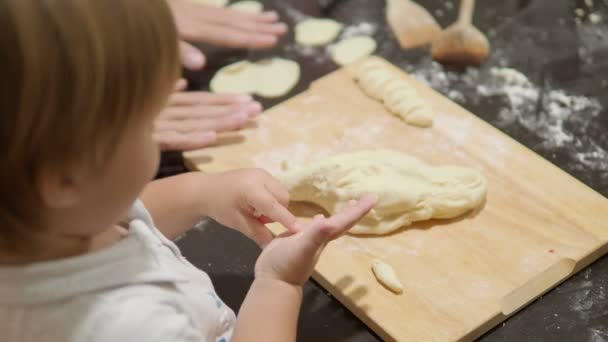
139, 289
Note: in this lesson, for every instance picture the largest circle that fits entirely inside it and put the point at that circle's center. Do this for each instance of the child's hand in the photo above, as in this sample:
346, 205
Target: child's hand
291, 257
246, 200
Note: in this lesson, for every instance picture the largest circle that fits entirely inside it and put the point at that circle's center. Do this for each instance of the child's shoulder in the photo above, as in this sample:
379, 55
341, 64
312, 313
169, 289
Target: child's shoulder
142, 312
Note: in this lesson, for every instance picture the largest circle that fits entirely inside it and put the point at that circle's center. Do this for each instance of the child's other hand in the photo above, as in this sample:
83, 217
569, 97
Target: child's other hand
246, 199
291, 256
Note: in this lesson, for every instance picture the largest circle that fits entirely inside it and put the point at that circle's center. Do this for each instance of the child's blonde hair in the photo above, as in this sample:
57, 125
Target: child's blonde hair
74, 74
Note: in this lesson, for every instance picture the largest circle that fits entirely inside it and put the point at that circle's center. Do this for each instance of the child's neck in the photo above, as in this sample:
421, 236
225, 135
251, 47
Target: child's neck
55, 247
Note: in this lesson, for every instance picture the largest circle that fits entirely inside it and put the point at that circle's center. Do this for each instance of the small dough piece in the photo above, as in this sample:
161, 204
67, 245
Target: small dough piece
381, 84
408, 189
248, 6
214, 3
269, 78
420, 116
386, 276
352, 49
316, 31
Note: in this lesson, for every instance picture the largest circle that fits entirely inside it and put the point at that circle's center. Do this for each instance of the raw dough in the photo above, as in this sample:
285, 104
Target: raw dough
352, 49
248, 6
386, 276
380, 83
214, 3
408, 189
268, 78
316, 31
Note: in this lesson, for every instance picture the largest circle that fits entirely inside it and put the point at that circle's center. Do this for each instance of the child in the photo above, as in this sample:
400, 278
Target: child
81, 83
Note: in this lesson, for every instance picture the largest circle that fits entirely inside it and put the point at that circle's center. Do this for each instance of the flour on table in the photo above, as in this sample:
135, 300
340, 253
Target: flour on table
522, 96
361, 29
297, 153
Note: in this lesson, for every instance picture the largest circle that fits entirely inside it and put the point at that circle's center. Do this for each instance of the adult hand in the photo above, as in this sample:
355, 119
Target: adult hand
224, 27
191, 120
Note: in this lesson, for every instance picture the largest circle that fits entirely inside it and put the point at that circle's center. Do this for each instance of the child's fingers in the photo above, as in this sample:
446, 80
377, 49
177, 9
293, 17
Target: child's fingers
278, 190
353, 212
259, 233
266, 204
324, 230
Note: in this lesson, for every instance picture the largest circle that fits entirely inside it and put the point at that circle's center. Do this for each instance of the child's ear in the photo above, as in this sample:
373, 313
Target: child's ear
60, 189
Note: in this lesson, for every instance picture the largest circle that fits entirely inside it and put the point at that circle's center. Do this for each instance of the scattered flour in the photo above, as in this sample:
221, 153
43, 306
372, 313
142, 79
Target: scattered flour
360, 29
320, 54
546, 114
598, 334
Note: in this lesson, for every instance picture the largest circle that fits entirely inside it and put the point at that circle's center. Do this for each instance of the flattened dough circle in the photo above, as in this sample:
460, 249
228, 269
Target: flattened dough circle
408, 189
352, 49
316, 31
214, 3
270, 78
248, 6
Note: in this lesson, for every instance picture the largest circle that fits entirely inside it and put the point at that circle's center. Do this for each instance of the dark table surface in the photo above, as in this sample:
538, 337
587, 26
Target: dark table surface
545, 40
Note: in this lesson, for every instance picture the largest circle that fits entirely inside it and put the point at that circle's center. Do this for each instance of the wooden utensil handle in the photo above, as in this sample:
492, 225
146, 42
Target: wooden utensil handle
466, 11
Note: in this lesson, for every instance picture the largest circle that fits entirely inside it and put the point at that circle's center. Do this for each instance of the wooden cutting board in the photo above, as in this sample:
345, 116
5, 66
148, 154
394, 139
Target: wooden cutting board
461, 277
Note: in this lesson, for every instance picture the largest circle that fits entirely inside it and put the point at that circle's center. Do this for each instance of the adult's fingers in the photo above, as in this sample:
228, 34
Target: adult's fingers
192, 58
274, 28
227, 16
229, 36
203, 97
175, 141
180, 85
217, 124
198, 112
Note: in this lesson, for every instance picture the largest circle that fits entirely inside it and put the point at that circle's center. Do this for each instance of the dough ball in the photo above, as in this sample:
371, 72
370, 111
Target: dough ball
248, 6
315, 31
273, 77
408, 189
352, 49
